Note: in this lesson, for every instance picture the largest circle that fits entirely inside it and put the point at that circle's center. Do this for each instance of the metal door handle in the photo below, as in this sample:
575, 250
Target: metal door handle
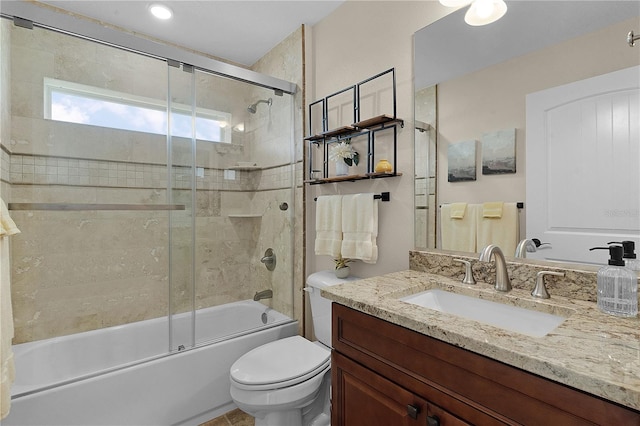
412, 411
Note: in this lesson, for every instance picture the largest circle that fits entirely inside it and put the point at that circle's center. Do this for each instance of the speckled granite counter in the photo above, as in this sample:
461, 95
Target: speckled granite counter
590, 351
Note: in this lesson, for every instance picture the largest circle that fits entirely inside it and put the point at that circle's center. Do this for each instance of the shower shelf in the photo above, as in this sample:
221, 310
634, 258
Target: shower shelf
244, 215
245, 168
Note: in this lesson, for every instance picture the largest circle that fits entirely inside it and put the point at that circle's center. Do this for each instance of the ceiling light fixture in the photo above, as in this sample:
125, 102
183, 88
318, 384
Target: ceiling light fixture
160, 11
481, 12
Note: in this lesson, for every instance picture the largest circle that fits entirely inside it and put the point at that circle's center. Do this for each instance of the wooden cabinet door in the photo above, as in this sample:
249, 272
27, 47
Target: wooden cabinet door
361, 397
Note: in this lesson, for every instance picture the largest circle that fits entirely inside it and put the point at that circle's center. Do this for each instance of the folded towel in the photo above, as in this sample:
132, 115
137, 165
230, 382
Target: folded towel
328, 225
492, 209
458, 210
458, 234
7, 225
360, 227
502, 231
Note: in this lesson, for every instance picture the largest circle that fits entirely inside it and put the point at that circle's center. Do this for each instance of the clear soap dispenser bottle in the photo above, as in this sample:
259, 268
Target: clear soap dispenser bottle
617, 285
629, 255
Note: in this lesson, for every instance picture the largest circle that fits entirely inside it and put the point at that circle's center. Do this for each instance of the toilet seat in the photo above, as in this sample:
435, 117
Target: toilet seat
279, 364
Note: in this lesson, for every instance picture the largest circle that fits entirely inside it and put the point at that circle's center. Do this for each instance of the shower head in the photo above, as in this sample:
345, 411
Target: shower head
253, 107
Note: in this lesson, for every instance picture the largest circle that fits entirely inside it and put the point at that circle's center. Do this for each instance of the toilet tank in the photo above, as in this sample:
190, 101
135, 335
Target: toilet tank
321, 307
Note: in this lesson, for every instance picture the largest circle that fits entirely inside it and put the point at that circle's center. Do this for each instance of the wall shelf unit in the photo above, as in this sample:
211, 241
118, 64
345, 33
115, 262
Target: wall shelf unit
321, 137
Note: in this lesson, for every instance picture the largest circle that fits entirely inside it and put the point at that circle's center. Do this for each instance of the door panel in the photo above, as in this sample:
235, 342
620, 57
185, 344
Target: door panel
362, 397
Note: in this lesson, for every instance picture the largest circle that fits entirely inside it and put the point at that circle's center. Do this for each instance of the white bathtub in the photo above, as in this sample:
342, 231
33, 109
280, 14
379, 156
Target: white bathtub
123, 375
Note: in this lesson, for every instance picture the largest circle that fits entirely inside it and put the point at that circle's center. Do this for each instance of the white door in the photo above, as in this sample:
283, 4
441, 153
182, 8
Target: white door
583, 161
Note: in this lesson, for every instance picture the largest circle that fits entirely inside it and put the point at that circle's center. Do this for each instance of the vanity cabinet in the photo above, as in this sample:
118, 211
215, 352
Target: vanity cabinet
384, 374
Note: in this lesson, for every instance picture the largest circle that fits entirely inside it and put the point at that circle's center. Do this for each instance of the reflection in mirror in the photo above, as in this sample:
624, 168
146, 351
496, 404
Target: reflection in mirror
483, 76
425, 167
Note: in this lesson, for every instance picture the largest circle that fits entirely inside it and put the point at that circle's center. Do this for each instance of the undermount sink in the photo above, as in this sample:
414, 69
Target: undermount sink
506, 317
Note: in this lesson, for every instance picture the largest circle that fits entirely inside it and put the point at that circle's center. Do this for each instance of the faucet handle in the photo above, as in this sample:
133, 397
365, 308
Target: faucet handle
541, 290
468, 272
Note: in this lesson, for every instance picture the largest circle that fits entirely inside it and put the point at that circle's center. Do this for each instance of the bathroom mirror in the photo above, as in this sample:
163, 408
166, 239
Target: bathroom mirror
461, 71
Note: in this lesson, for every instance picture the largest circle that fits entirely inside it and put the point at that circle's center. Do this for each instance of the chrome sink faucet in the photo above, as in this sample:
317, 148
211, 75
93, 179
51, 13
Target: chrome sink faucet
503, 283
525, 246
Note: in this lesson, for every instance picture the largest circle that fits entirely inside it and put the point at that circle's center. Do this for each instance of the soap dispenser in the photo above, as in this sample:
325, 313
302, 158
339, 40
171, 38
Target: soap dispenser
617, 285
629, 255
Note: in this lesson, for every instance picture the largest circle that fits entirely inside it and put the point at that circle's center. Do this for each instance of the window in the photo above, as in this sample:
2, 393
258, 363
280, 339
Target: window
78, 103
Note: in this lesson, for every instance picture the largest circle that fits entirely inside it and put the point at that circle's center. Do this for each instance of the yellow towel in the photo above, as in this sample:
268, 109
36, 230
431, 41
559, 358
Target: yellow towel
458, 210
492, 209
7, 371
458, 234
502, 231
360, 227
328, 225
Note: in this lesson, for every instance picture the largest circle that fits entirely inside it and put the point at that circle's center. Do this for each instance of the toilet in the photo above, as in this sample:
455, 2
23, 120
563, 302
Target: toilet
288, 381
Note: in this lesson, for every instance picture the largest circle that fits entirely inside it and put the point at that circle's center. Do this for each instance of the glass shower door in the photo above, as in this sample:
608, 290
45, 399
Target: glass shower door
87, 188
181, 141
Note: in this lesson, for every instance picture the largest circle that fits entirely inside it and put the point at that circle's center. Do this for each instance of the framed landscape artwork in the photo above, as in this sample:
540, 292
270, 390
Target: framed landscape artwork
461, 157
499, 152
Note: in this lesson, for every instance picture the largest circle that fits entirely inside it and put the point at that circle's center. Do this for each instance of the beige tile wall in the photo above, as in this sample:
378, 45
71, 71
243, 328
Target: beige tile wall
77, 271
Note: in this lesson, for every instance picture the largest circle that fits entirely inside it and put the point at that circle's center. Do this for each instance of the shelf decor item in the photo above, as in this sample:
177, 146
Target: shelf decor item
344, 155
342, 267
342, 169
383, 166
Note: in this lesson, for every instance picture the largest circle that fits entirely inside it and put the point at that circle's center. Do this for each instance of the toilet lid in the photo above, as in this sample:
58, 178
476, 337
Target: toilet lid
280, 361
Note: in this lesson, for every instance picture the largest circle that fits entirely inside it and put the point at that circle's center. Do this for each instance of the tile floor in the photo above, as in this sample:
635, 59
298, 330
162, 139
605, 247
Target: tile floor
232, 418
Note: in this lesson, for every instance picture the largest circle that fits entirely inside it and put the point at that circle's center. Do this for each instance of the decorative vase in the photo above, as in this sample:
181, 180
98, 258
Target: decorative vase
342, 272
342, 168
383, 166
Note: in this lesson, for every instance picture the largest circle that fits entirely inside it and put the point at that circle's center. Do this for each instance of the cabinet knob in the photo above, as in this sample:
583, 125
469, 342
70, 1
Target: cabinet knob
412, 411
433, 421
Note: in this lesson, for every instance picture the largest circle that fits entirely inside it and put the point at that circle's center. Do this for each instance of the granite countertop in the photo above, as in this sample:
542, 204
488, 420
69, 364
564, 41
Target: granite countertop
591, 351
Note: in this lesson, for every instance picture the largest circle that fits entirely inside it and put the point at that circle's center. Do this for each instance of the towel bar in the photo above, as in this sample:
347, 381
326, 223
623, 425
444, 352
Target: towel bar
519, 205
81, 207
383, 196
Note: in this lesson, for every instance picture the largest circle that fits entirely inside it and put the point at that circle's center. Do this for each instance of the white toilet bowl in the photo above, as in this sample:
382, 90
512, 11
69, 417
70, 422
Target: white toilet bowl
288, 382
283, 382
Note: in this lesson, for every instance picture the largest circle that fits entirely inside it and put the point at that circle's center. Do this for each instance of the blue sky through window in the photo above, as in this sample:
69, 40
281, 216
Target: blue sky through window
84, 109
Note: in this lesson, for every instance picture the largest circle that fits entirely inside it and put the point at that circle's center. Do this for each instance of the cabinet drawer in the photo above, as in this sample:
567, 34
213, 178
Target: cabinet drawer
434, 369
363, 397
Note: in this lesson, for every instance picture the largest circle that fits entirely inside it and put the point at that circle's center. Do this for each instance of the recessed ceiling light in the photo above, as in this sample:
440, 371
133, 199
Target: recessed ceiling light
160, 11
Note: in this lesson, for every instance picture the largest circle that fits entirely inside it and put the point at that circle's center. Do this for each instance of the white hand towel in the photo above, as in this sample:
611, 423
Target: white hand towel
328, 225
502, 231
7, 372
360, 227
458, 234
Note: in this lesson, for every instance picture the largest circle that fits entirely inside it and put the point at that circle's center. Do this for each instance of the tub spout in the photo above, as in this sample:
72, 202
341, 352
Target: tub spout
264, 294
502, 276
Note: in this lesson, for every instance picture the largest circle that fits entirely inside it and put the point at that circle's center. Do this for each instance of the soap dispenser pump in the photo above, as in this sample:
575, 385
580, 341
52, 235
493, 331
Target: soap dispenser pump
629, 255
617, 285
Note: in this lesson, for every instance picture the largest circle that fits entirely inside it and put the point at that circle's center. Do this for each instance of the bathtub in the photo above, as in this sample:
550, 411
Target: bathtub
124, 375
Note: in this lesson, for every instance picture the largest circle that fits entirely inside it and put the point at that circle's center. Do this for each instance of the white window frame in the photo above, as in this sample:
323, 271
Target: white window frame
54, 85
